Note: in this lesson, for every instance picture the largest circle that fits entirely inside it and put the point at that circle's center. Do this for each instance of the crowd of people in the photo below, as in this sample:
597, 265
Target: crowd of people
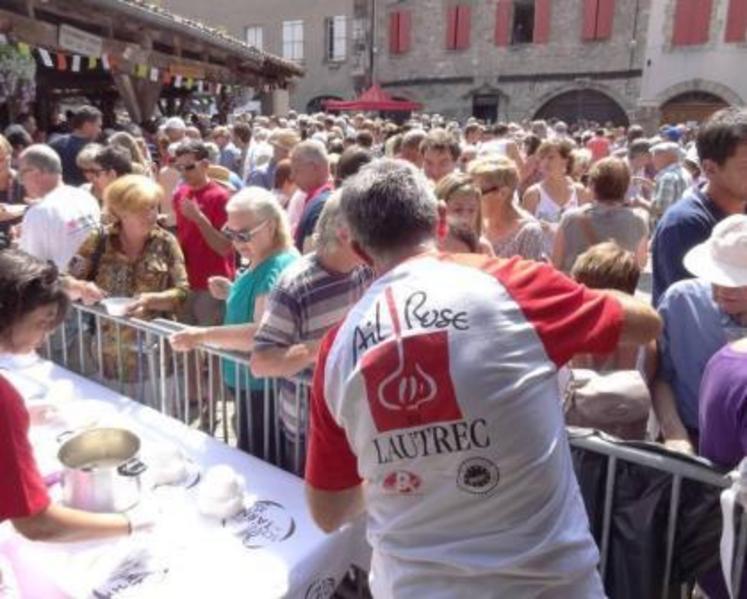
453, 289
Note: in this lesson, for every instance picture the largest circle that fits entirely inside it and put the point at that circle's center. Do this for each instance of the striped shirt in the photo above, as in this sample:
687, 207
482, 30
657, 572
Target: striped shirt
306, 302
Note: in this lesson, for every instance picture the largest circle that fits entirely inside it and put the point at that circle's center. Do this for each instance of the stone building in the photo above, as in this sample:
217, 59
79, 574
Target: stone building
515, 59
695, 59
326, 37
606, 60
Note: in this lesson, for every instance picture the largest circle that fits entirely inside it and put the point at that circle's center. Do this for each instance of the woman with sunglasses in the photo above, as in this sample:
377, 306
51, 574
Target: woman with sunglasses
259, 230
33, 303
509, 229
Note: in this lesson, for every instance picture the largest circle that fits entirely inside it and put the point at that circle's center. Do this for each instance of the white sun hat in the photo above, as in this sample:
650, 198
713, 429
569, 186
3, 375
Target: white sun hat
722, 259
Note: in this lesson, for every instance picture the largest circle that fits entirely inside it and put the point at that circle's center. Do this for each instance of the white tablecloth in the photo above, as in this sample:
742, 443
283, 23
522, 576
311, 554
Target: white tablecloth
274, 551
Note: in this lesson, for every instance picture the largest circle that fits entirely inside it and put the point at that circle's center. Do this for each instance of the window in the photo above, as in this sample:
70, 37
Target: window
254, 36
736, 21
598, 17
335, 41
293, 40
399, 31
692, 22
522, 31
458, 25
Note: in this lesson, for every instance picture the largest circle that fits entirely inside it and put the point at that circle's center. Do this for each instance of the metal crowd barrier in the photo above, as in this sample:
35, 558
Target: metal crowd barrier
188, 386
679, 470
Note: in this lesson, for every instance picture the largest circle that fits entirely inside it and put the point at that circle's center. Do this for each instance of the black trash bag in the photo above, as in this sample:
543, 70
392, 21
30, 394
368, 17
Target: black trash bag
636, 560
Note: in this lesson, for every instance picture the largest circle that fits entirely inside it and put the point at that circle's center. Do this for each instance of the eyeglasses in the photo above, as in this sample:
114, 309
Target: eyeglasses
93, 171
183, 168
243, 235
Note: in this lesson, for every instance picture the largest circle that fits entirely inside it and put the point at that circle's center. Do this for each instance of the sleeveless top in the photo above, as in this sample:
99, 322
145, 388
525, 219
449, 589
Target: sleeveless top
549, 211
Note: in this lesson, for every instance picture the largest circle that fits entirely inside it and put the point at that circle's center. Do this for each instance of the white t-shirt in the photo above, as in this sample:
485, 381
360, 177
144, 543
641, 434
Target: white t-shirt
55, 228
440, 391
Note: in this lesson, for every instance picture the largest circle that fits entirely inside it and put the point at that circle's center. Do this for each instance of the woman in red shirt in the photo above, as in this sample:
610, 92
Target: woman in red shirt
32, 303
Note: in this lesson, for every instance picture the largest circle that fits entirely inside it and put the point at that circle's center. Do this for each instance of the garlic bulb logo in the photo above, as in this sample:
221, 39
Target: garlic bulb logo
409, 385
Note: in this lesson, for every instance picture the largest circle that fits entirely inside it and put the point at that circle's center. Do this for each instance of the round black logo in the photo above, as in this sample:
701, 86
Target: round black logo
322, 588
261, 524
478, 476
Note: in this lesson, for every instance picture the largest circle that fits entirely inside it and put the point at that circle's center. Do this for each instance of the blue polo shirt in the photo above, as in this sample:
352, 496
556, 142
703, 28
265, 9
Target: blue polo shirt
684, 225
695, 328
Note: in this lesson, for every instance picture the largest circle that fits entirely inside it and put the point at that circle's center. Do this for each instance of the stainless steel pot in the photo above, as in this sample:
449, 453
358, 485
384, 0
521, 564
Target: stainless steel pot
101, 470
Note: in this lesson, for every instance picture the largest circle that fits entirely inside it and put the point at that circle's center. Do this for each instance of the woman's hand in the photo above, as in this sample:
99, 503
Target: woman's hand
141, 305
187, 339
90, 293
219, 287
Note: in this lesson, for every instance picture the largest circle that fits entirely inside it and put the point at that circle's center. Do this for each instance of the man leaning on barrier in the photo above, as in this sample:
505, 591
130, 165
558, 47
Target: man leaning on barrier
435, 407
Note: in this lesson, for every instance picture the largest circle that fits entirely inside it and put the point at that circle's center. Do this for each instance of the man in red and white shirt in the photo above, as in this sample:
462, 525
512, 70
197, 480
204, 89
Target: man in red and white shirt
435, 408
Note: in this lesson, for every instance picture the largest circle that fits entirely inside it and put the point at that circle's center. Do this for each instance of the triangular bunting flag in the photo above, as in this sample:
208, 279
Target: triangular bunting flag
46, 57
61, 62
154, 74
200, 86
188, 83
166, 78
218, 88
24, 49
105, 62
178, 81
142, 70
92, 62
75, 67
3, 39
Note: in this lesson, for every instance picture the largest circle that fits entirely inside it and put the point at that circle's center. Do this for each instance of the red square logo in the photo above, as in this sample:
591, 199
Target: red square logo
408, 383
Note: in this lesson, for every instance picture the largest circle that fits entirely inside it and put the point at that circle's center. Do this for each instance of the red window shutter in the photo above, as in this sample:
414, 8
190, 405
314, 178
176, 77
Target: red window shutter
405, 26
503, 22
701, 22
393, 32
589, 27
682, 16
541, 21
451, 27
736, 21
605, 19
464, 25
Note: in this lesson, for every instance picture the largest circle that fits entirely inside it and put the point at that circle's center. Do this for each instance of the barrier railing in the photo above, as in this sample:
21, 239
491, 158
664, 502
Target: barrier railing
680, 471
134, 357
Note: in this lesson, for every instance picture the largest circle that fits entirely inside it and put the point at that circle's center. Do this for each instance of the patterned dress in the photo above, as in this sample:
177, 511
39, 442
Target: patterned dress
160, 267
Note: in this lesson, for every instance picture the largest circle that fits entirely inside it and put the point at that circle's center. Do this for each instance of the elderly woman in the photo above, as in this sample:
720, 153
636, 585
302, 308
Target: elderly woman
131, 257
12, 205
462, 199
510, 230
259, 229
34, 303
556, 192
140, 164
607, 218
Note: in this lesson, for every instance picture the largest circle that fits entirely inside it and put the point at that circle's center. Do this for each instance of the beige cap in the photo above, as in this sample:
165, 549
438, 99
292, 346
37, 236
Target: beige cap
286, 139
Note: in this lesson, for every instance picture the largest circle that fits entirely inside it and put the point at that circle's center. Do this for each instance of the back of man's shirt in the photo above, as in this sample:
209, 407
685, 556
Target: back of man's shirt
440, 391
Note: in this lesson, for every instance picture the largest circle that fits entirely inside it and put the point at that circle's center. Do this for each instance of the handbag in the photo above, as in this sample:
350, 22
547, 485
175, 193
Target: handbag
617, 402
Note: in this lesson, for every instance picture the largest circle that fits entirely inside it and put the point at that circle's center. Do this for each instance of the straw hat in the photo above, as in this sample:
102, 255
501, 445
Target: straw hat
722, 259
285, 139
221, 175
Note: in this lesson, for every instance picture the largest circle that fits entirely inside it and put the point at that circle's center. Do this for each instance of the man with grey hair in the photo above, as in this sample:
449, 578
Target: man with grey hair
310, 172
55, 226
439, 390
312, 295
672, 179
410, 148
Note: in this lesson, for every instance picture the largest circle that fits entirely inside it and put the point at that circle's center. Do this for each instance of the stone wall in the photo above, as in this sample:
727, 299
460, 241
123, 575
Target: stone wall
523, 76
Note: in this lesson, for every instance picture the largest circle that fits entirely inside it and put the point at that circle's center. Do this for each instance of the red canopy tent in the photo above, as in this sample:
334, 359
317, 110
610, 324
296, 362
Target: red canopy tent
375, 99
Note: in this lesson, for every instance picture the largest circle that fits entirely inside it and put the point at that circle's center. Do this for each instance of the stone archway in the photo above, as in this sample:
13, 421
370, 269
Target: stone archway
582, 104
694, 100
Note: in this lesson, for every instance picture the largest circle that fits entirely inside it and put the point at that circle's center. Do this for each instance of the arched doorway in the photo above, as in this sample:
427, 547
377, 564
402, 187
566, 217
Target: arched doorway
315, 104
691, 106
583, 105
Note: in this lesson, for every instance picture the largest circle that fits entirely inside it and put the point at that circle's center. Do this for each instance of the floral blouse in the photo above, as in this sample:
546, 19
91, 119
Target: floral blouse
159, 268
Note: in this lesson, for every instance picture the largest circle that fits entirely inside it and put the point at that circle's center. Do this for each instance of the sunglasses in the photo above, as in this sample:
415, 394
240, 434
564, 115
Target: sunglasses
488, 190
243, 235
183, 168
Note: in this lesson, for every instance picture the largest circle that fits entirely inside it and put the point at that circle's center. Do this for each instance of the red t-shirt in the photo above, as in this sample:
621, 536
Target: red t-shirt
22, 489
599, 147
201, 261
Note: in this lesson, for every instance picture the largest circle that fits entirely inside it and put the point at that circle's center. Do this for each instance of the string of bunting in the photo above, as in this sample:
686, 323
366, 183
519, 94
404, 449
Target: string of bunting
76, 63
